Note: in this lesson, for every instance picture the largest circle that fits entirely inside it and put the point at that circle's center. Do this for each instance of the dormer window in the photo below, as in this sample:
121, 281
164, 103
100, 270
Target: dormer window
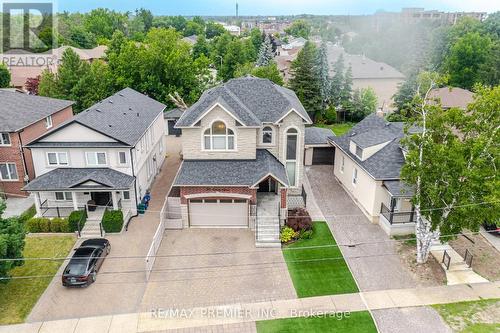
218, 137
359, 152
267, 135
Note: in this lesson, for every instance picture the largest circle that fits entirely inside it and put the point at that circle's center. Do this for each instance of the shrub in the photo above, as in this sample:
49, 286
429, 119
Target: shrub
59, 225
44, 224
299, 219
33, 224
74, 217
27, 214
288, 234
331, 115
306, 234
112, 221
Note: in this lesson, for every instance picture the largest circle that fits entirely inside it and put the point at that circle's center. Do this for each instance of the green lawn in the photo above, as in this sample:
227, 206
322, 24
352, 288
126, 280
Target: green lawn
471, 317
17, 297
339, 129
318, 277
354, 322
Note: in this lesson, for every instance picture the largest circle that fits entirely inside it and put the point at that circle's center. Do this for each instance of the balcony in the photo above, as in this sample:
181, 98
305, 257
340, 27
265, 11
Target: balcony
393, 217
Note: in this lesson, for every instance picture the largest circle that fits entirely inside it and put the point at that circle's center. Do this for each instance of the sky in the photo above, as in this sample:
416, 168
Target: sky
275, 7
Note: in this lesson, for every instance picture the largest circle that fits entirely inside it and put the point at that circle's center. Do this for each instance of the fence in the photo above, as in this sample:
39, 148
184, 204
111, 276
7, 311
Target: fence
155, 244
397, 217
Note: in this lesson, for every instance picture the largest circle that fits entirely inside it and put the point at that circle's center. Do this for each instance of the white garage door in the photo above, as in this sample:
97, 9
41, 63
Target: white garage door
218, 213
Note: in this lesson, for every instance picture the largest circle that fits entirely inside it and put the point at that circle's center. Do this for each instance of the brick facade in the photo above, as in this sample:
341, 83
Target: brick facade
283, 198
216, 189
14, 153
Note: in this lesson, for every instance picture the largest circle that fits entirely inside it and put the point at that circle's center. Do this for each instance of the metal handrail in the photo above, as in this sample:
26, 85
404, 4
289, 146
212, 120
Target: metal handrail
396, 217
468, 258
446, 260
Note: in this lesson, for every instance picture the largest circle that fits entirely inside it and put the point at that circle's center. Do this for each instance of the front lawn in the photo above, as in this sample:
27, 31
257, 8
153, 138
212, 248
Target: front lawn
339, 129
472, 317
354, 322
326, 273
18, 296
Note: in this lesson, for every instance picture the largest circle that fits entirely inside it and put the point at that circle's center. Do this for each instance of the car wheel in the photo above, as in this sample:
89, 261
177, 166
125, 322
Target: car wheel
93, 277
108, 249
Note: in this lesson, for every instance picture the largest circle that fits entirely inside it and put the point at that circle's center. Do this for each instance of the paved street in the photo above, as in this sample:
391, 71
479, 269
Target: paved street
113, 293
213, 267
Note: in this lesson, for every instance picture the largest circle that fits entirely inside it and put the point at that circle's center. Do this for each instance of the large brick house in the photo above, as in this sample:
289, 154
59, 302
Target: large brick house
23, 118
243, 150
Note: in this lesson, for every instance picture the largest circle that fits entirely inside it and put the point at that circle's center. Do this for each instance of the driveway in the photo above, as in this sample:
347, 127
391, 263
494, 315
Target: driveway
375, 266
205, 267
121, 292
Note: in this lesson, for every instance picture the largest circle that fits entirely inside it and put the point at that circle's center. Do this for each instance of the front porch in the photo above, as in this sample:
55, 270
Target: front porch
397, 215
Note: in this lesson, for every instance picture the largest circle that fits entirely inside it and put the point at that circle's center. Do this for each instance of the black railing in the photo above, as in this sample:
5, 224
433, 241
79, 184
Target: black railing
468, 258
57, 211
397, 217
446, 260
79, 223
304, 196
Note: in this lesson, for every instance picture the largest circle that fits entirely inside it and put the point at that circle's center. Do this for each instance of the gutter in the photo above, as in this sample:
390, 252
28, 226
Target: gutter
21, 150
135, 190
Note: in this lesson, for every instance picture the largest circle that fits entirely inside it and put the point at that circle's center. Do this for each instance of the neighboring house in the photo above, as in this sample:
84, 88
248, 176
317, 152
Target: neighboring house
450, 97
191, 40
21, 67
108, 153
22, 119
243, 146
232, 29
368, 162
381, 77
318, 150
295, 43
171, 118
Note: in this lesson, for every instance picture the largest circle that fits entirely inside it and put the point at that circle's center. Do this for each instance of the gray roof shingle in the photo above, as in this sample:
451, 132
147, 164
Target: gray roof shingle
19, 110
174, 113
124, 116
398, 188
231, 172
387, 162
71, 178
47, 144
252, 100
317, 135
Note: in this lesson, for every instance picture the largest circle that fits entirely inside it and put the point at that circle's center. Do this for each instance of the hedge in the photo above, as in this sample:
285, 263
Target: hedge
112, 221
44, 224
28, 214
74, 217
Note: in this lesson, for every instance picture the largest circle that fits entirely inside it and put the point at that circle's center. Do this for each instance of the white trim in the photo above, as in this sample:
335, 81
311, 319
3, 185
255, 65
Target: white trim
2, 144
48, 122
97, 160
285, 145
58, 163
203, 130
8, 172
292, 110
269, 175
218, 195
273, 136
210, 109
126, 160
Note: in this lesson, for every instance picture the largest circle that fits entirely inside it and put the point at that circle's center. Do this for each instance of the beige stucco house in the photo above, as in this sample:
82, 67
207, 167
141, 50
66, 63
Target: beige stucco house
243, 151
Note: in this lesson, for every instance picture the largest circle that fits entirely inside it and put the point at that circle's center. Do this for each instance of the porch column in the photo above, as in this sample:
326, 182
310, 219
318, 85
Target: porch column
75, 202
114, 198
393, 204
37, 204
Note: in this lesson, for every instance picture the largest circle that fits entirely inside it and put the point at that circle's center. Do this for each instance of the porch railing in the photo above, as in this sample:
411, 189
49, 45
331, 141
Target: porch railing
397, 217
304, 196
58, 211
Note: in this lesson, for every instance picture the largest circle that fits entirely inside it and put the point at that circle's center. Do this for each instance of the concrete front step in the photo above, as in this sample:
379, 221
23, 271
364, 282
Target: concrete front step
268, 244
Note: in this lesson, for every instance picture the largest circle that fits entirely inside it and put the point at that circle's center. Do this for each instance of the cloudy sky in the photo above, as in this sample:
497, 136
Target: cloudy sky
276, 7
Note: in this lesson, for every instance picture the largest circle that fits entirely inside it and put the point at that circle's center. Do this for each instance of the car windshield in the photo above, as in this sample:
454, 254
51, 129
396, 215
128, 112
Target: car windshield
76, 267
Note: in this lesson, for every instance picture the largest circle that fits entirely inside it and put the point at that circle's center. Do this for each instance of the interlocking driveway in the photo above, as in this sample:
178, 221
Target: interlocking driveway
375, 264
203, 267
114, 293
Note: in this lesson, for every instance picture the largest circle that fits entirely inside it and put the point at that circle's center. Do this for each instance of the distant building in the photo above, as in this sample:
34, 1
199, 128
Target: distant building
381, 77
232, 29
450, 97
415, 15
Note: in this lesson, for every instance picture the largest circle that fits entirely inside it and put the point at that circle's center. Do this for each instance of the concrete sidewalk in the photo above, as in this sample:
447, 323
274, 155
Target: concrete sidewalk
232, 314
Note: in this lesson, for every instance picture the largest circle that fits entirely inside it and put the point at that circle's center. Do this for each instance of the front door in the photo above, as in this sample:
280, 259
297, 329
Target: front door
101, 198
267, 185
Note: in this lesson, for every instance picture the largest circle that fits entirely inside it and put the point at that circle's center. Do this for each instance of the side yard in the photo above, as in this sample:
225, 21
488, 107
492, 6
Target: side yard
19, 296
316, 265
339, 129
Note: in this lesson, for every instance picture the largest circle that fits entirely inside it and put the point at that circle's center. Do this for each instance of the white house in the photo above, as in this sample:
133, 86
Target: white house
108, 154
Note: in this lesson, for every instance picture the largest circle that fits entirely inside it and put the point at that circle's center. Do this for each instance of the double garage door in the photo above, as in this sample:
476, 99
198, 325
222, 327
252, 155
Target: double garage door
218, 213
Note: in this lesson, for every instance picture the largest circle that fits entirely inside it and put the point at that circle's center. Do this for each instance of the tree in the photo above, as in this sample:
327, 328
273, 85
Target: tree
324, 75
237, 54
270, 72
79, 37
94, 85
452, 163
364, 102
257, 38
305, 82
32, 84
104, 22
337, 82
48, 85
346, 92
4, 76
213, 29
11, 243
466, 58
70, 71
299, 28
193, 28
201, 47
146, 17
266, 54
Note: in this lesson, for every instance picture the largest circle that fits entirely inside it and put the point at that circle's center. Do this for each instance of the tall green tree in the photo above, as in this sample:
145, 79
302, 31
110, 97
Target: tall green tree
214, 29
201, 47
299, 28
70, 71
11, 243
363, 103
270, 72
337, 82
452, 163
305, 81
104, 22
4, 76
94, 85
324, 75
346, 93
238, 52
48, 85
266, 54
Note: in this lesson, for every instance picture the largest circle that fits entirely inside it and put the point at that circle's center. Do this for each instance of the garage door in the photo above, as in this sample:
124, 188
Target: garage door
218, 213
323, 155
172, 130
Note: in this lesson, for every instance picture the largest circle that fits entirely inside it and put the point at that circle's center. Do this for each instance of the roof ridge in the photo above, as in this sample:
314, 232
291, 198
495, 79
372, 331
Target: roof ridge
233, 95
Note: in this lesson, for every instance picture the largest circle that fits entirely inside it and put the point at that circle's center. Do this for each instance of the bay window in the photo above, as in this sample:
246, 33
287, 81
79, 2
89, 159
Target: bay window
291, 155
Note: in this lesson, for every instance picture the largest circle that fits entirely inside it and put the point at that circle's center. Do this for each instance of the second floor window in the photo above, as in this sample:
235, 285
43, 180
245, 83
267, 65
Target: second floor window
267, 135
122, 157
359, 152
4, 139
218, 137
59, 158
95, 158
48, 122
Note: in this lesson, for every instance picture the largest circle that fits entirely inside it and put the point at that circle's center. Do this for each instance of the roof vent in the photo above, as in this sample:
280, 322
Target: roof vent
98, 110
110, 125
124, 113
120, 94
353, 133
137, 114
130, 108
110, 101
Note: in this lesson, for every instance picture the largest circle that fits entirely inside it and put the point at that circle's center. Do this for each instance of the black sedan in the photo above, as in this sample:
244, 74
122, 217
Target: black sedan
492, 228
83, 266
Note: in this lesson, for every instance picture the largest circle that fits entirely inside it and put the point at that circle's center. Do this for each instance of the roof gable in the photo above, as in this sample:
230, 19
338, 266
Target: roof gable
75, 132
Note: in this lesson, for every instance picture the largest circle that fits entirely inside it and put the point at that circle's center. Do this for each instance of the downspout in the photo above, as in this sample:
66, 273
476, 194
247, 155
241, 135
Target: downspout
135, 189
21, 150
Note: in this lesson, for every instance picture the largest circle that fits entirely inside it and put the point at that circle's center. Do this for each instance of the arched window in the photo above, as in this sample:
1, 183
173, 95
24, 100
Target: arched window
267, 135
291, 155
218, 137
